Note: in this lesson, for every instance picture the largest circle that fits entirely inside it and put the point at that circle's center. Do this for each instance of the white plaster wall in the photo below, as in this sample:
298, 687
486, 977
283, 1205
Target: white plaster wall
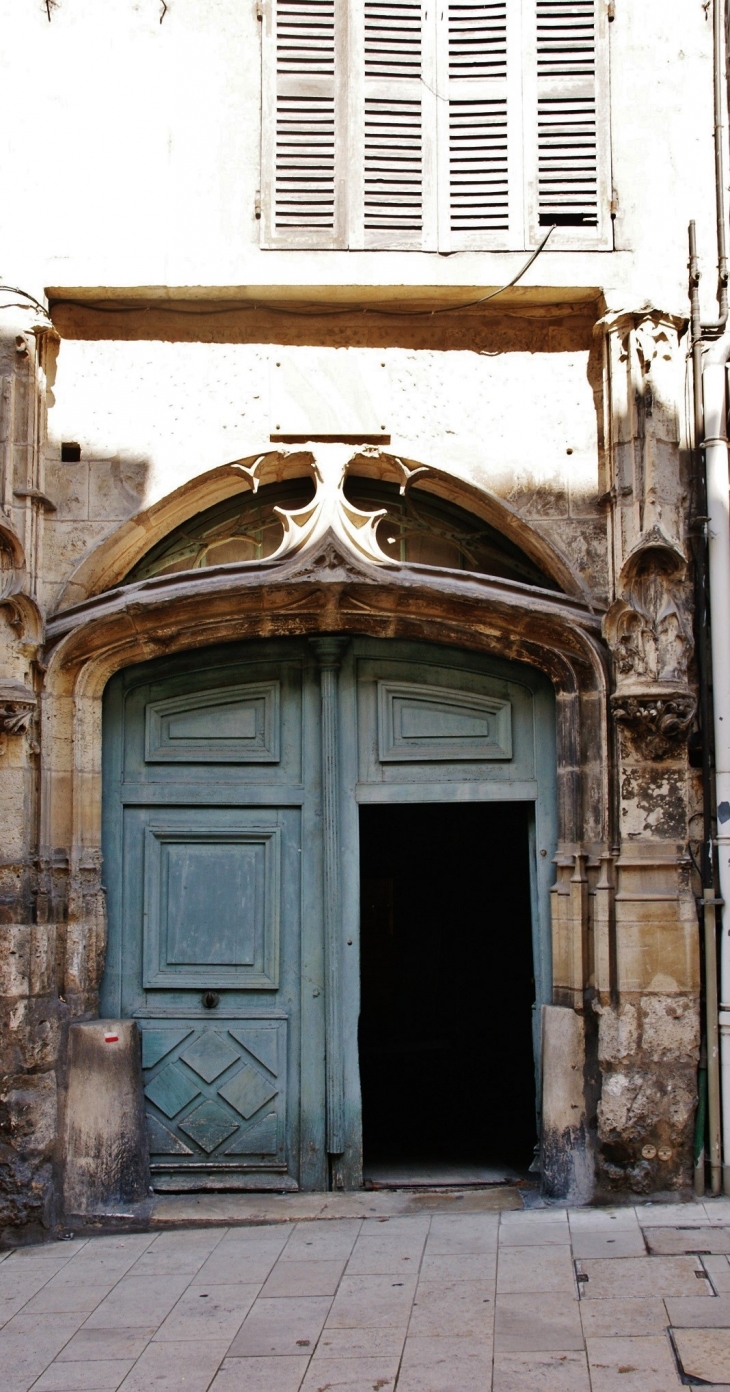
131, 157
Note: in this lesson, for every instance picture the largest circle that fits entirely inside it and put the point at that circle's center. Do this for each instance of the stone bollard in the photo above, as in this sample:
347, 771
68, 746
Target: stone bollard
106, 1157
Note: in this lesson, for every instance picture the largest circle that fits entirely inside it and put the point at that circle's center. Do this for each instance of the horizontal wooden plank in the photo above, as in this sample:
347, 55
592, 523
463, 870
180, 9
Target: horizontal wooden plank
500, 789
218, 794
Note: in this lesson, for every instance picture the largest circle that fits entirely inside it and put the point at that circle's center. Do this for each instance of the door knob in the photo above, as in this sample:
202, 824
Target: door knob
211, 999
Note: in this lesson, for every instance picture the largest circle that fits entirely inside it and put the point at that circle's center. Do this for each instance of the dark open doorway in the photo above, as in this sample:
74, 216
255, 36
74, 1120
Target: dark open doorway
446, 1059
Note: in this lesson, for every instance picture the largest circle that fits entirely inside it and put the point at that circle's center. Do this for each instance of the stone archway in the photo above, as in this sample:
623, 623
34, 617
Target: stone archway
328, 579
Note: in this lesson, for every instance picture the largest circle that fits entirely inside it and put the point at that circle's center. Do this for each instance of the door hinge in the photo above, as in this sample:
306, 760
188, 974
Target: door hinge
259, 10
611, 9
614, 204
257, 204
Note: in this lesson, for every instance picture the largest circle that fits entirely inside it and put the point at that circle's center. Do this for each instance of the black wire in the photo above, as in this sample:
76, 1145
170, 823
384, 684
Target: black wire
311, 311
15, 290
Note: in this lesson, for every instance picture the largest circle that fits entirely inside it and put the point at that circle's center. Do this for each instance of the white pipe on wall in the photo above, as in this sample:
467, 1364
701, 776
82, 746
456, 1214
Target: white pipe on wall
714, 392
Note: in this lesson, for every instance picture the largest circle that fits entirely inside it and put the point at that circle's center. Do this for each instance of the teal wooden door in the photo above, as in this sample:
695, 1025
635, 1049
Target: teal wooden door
432, 724
232, 781
208, 796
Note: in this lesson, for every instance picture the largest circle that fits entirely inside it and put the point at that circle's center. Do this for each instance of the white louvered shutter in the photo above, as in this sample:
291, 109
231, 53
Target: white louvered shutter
393, 130
462, 125
302, 143
571, 155
475, 124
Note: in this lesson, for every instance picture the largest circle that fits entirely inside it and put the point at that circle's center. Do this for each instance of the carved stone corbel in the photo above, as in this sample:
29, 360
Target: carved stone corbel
658, 723
331, 514
17, 707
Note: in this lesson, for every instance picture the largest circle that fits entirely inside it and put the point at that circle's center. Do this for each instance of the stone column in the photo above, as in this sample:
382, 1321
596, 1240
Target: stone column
649, 1019
31, 1014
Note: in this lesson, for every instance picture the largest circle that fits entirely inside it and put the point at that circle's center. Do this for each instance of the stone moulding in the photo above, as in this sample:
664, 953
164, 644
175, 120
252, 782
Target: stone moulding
661, 723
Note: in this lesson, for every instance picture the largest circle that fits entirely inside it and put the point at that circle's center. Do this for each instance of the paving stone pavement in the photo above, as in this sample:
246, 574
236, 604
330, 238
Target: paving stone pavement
543, 1299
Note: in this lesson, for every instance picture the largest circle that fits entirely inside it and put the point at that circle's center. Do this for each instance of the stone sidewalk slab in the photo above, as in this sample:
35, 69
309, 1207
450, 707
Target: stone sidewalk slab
713, 1241
686, 1313
635, 1363
642, 1276
648, 1315
535, 1268
386, 1297
281, 1327
718, 1270
260, 1375
542, 1372
543, 1323
100, 1376
705, 1354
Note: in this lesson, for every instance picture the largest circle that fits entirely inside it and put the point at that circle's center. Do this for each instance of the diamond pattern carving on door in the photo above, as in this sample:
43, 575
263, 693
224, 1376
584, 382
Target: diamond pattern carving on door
215, 1089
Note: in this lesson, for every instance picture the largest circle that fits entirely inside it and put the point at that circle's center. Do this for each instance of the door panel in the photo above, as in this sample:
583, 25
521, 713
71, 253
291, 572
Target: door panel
204, 814
237, 724
418, 724
215, 1090
211, 901
441, 716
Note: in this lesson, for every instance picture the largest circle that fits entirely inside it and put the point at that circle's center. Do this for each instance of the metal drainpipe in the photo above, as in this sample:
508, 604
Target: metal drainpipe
709, 1072
712, 492
714, 391
719, 101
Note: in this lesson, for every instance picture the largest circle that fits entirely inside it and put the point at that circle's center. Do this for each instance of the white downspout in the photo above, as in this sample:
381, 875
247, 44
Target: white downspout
714, 392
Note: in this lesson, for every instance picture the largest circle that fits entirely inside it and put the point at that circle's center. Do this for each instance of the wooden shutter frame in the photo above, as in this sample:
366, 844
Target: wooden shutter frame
302, 239
483, 90
600, 237
349, 106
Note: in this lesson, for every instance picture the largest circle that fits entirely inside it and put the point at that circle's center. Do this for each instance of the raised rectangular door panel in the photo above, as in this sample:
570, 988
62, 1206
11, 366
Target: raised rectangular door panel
211, 905
428, 722
215, 1096
420, 723
237, 724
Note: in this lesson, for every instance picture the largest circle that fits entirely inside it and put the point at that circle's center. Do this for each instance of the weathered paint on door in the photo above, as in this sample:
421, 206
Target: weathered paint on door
211, 790
216, 845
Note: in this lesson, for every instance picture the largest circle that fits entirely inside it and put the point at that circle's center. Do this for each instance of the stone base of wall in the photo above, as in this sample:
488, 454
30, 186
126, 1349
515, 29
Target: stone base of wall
648, 1052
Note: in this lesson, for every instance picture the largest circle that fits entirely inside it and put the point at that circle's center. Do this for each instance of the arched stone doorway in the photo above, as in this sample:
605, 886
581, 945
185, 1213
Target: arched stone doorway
330, 576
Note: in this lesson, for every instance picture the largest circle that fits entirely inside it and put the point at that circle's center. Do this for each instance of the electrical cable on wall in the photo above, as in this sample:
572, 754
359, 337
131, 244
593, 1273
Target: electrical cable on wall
311, 312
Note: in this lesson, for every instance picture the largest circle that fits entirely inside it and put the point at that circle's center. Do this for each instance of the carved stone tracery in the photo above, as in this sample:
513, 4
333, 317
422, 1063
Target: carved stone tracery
648, 630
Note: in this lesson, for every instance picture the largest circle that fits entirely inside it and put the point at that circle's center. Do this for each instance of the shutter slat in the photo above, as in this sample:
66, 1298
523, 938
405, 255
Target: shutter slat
304, 144
567, 137
478, 171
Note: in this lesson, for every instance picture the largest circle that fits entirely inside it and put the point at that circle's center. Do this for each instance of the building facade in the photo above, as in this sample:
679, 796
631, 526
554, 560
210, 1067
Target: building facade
349, 688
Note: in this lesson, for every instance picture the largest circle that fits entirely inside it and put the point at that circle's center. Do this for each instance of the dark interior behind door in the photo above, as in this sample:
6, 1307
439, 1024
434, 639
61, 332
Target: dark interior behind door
447, 985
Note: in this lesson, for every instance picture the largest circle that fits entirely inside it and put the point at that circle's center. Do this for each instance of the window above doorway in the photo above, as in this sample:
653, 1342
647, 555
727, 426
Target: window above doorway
417, 528
400, 125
